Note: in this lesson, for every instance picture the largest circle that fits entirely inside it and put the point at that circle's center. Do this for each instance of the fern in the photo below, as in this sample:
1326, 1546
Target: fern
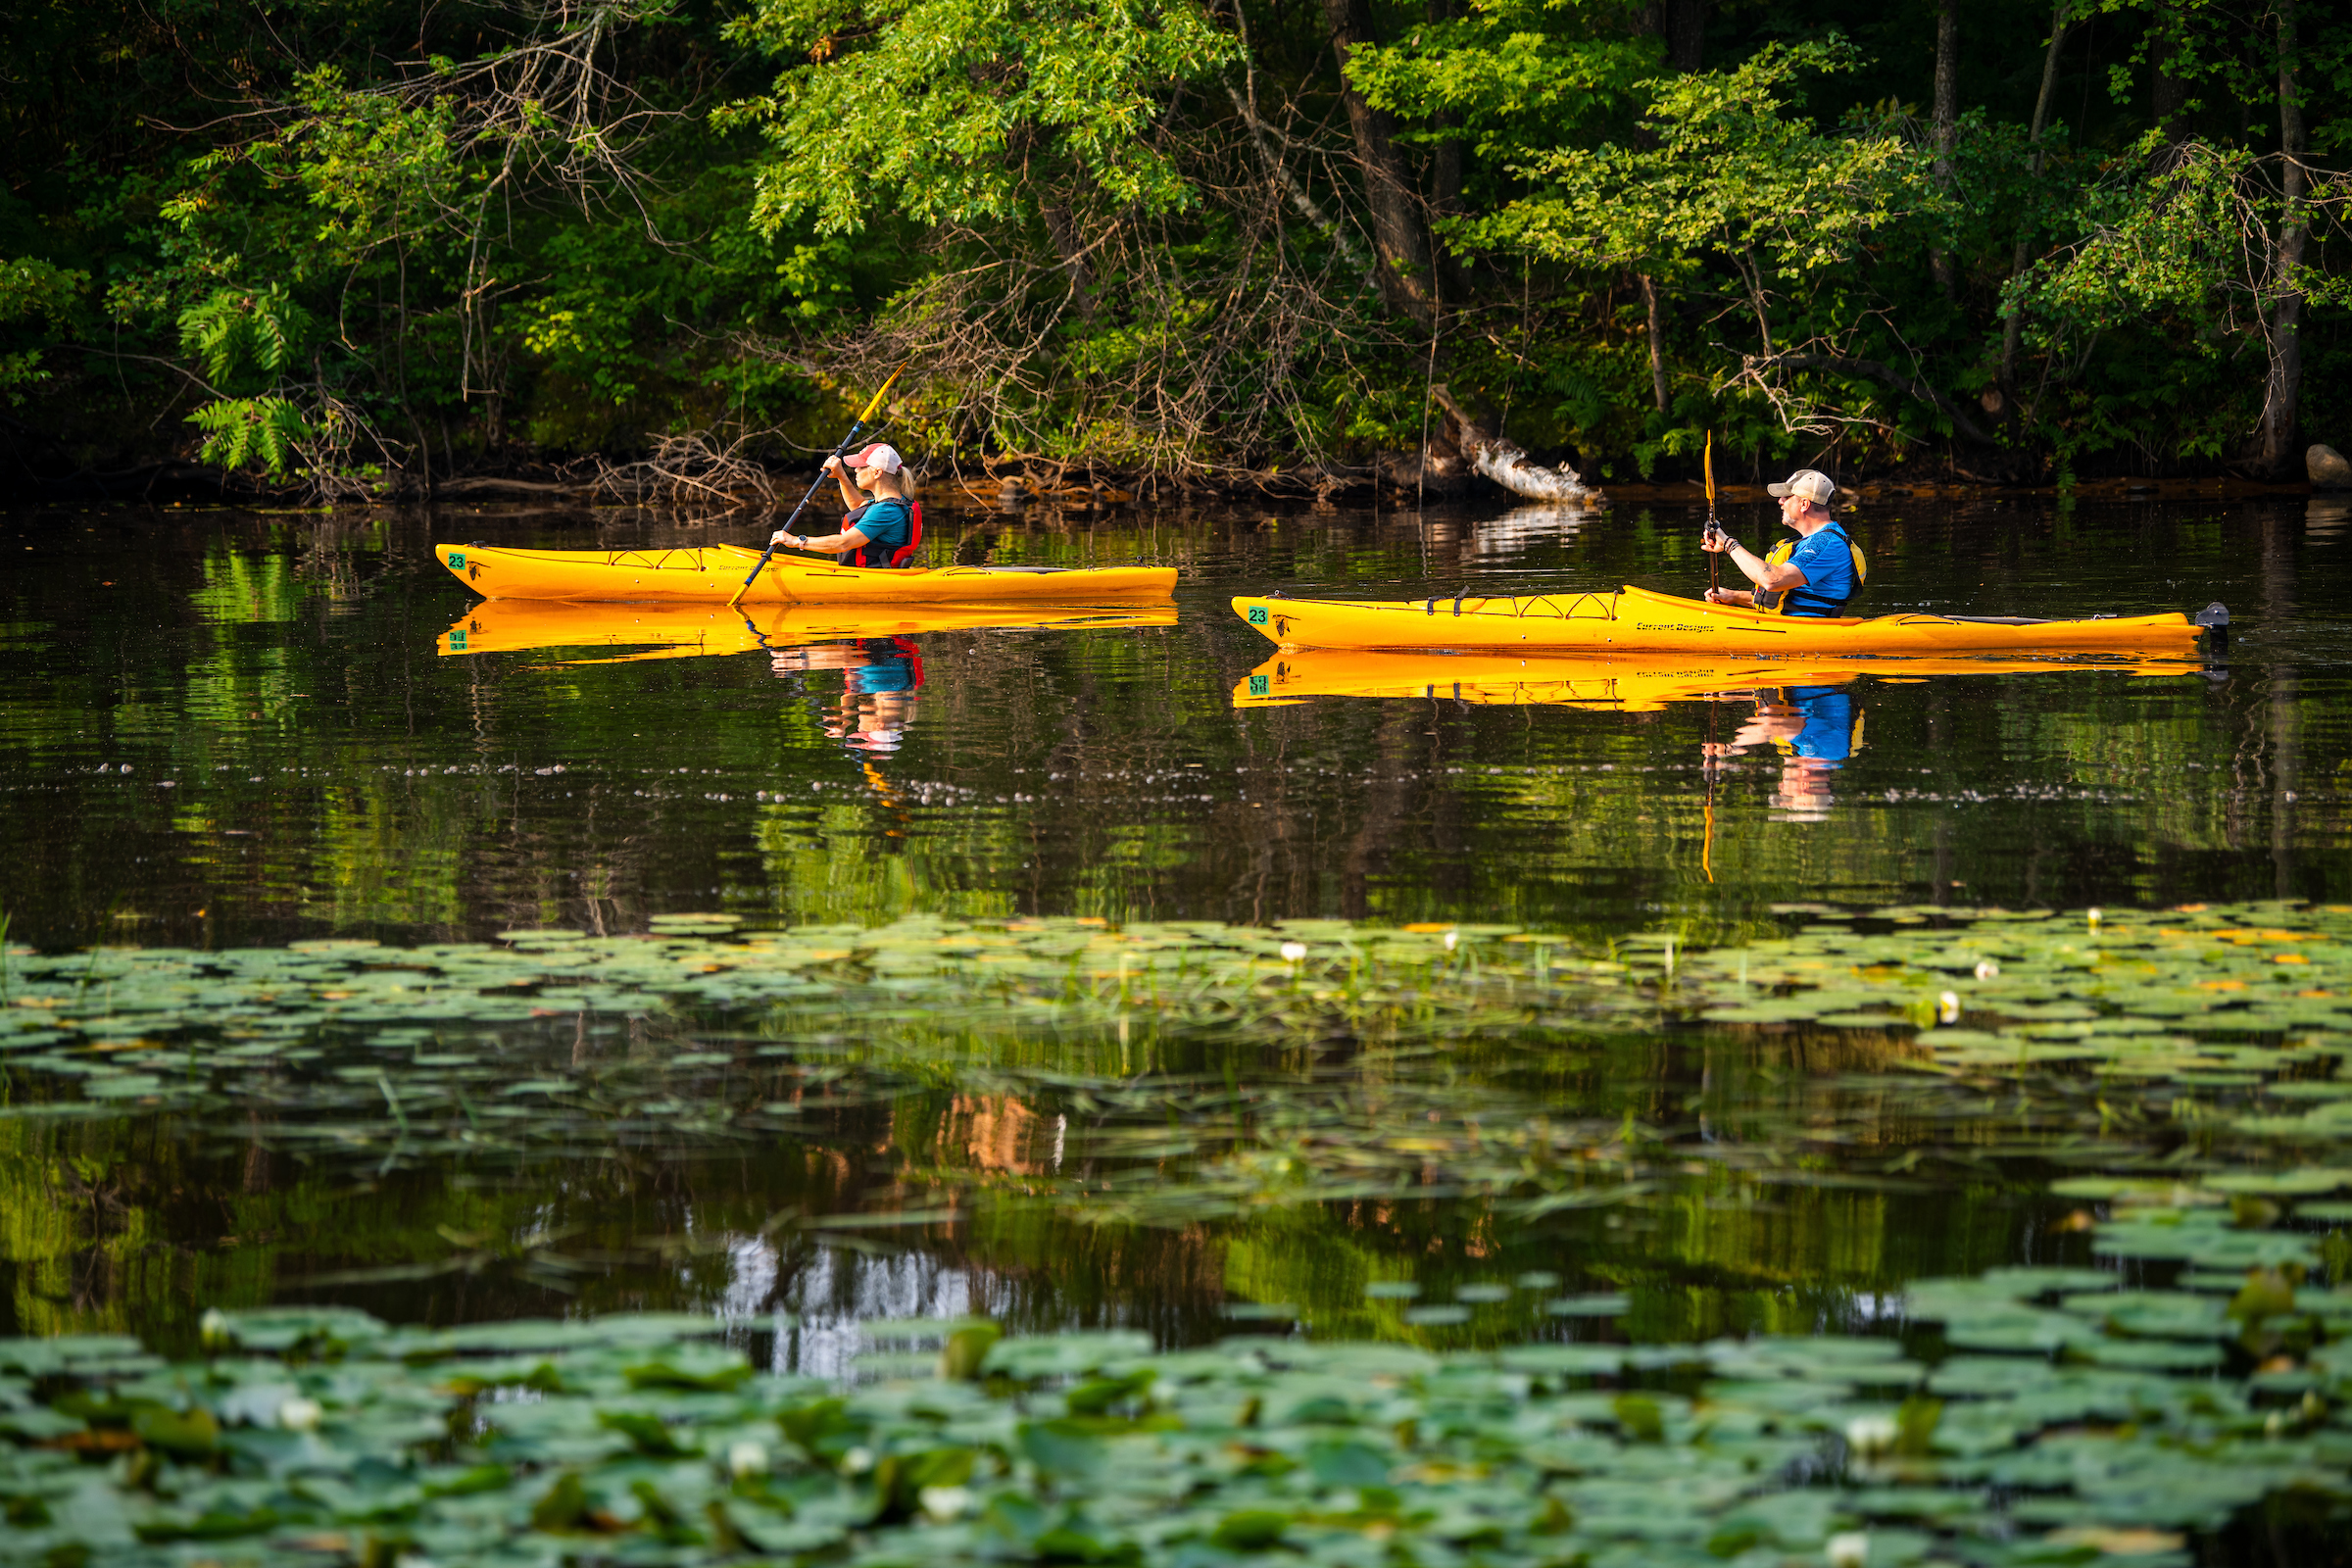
244, 335
242, 431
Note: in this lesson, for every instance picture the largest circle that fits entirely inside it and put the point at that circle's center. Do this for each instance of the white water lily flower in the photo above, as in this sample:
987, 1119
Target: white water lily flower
1868, 1434
1947, 1008
1293, 952
2094, 915
747, 1459
212, 1328
1986, 968
943, 1502
300, 1415
1848, 1550
857, 1461
1452, 939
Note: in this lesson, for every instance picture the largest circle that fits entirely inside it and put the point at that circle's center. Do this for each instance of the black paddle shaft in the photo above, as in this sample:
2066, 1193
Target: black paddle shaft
822, 474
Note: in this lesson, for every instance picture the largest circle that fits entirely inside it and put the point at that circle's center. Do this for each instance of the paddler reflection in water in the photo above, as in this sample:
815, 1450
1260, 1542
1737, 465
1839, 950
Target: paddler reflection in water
1812, 574
881, 678
1815, 730
883, 531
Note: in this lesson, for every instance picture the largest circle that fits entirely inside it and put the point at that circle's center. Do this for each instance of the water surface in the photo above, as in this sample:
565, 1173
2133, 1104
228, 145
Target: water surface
227, 730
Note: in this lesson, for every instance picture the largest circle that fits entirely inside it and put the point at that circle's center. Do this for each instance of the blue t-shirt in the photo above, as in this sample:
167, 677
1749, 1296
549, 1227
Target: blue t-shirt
1826, 559
1829, 715
888, 524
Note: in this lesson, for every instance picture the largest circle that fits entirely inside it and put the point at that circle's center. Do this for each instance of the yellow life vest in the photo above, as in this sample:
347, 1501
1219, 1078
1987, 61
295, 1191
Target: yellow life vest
1775, 600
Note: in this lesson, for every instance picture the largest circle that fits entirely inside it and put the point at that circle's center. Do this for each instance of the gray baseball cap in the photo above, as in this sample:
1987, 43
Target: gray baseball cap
1814, 485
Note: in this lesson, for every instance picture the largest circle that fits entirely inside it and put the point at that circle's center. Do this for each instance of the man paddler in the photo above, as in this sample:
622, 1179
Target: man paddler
1812, 574
882, 531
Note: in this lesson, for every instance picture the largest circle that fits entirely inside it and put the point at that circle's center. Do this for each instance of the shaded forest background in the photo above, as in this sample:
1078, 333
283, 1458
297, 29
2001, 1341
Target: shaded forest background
372, 251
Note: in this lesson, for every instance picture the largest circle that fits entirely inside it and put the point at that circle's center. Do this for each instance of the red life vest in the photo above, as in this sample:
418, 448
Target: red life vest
905, 551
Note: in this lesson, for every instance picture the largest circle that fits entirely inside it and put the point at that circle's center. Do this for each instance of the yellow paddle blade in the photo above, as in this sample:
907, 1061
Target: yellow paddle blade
1710, 461
875, 406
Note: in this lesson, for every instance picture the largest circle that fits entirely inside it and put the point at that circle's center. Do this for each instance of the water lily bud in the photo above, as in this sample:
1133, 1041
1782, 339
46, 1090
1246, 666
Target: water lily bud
747, 1459
1986, 968
857, 1461
944, 1504
2093, 916
300, 1415
212, 1328
1848, 1550
1293, 952
1871, 1435
1947, 1008
1453, 939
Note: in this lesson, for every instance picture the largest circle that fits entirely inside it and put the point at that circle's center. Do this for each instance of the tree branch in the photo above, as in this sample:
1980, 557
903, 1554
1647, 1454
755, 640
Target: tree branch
1964, 425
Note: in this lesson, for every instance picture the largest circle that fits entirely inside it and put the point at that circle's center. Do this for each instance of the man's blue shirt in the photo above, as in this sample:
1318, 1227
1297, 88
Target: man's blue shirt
1826, 559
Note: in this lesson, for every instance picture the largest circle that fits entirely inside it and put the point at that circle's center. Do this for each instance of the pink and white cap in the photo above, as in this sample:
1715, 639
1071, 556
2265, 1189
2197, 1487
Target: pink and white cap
877, 456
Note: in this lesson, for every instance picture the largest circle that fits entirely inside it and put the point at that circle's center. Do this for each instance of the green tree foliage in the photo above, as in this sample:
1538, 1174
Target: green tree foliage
1185, 235
36, 298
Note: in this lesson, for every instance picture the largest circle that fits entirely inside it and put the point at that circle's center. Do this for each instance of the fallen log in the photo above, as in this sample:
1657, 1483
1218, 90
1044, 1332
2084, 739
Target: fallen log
1505, 462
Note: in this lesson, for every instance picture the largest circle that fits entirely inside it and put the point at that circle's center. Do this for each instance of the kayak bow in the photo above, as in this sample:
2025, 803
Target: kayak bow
1635, 621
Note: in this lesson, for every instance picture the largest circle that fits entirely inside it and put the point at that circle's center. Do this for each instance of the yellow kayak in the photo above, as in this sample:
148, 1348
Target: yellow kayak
697, 631
1635, 621
711, 575
1631, 683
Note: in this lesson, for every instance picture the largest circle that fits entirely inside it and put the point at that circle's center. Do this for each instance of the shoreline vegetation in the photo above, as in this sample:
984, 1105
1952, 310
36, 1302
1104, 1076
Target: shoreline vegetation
655, 249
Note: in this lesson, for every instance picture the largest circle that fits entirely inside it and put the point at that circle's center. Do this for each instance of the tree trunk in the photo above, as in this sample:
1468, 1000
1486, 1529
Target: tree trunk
1066, 246
1657, 339
1398, 233
2168, 94
2283, 389
1946, 126
1683, 24
2015, 326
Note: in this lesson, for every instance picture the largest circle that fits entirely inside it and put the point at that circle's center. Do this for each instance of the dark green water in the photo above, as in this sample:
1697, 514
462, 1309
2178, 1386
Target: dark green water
221, 728
224, 730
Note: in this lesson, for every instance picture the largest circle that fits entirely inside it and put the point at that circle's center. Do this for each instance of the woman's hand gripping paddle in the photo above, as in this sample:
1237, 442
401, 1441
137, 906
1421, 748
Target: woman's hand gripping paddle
822, 474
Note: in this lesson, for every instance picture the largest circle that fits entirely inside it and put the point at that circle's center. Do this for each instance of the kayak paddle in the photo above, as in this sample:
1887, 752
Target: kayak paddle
1714, 557
822, 474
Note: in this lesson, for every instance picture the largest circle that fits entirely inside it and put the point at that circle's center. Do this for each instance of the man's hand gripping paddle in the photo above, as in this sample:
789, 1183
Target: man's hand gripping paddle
822, 474
1714, 557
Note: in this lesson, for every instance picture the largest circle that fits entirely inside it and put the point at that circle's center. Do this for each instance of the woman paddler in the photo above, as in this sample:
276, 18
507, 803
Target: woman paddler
879, 532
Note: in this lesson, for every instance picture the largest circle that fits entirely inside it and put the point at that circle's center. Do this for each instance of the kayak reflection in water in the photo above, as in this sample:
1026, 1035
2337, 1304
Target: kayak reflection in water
1815, 730
881, 678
